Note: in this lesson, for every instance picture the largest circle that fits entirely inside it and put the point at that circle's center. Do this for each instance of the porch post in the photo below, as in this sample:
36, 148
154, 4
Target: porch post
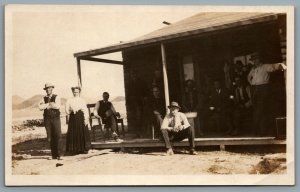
79, 72
165, 76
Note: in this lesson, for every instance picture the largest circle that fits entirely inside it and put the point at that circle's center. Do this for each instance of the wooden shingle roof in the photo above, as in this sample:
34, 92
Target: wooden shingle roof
194, 25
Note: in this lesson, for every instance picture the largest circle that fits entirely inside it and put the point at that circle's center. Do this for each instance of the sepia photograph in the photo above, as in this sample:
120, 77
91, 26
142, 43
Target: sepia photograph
149, 95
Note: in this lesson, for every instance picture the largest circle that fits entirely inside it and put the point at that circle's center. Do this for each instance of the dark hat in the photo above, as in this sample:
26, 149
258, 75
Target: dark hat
174, 104
76, 87
254, 56
47, 85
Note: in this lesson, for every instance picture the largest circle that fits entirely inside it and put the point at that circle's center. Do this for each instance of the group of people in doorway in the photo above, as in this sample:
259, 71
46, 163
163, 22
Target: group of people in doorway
78, 136
248, 98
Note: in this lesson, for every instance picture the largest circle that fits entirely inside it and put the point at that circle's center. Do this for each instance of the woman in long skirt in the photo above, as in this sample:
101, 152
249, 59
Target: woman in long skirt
78, 137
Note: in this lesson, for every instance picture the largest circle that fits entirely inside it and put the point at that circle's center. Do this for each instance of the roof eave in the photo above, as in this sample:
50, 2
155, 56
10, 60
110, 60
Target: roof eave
156, 40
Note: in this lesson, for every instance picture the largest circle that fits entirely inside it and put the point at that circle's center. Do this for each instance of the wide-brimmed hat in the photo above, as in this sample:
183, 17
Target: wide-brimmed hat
254, 56
47, 85
174, 104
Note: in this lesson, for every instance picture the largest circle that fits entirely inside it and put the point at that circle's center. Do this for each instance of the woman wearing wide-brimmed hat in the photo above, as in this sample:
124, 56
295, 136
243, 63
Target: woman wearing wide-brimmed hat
78, 138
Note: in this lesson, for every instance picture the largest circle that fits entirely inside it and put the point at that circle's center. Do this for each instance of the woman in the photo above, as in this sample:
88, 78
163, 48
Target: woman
78, 138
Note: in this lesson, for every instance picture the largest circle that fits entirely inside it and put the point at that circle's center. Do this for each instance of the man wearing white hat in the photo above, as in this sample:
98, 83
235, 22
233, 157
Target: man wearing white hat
51, 104
259, 78
175, 127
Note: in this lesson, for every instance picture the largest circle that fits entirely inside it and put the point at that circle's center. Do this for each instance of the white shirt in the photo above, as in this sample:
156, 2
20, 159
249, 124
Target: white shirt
75, 104
261, 74
171, 122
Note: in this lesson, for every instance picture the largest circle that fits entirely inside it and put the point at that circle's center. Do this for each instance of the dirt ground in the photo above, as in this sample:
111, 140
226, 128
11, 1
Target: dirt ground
30, 156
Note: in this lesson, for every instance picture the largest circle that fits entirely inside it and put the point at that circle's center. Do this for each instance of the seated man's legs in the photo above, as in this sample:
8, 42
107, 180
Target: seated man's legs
186, 133
165, 134
179, 136
111, 122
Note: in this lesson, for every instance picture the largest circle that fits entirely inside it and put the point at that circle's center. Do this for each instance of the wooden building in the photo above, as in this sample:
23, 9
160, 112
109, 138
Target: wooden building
197, 49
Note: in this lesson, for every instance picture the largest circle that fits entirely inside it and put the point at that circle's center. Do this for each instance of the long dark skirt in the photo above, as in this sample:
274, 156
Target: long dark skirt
78, 137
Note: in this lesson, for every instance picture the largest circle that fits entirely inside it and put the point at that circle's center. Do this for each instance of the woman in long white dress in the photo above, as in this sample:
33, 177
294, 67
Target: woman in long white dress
78, 137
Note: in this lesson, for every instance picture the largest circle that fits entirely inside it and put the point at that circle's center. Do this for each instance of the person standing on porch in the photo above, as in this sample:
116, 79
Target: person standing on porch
175, 127
258, 78
51, 105
105, 110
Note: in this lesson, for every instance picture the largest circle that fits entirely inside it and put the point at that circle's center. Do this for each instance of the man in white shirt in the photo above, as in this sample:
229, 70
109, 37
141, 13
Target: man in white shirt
51, 104
175, 127
258, 78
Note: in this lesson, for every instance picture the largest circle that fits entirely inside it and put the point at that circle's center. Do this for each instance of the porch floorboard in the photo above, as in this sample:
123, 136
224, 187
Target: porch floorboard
136, 143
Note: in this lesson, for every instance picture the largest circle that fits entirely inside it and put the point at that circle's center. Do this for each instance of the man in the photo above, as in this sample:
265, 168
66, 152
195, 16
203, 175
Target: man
242, 103
157, 110
105, 110
221, 107
175, 127
259, 78
51, 104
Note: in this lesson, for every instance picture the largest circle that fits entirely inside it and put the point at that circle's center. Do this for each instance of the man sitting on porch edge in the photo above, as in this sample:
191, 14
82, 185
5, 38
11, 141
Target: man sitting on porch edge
175, 127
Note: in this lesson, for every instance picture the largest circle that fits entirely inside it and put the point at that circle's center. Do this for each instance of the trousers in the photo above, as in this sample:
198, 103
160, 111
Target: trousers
179, 136
53, 129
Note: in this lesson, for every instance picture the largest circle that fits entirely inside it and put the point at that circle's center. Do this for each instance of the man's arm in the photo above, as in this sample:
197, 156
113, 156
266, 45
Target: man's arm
43, 105
186, 123
113, 109
274, 67
56, 104
165, 124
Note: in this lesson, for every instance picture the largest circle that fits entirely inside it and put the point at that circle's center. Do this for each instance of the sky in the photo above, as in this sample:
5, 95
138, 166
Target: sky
44, 39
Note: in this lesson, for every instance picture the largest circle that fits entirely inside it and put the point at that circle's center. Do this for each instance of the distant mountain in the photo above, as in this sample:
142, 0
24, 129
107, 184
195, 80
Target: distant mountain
33, 101
118, 99
16, 100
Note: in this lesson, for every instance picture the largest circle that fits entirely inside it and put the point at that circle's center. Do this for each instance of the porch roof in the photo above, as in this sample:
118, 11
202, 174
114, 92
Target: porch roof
191, 26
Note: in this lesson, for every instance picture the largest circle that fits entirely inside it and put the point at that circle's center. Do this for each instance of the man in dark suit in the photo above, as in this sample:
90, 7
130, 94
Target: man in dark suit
51, 104
105, 110
221, 103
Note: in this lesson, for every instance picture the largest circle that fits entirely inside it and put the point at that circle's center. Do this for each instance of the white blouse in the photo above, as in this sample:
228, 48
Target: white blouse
75, 104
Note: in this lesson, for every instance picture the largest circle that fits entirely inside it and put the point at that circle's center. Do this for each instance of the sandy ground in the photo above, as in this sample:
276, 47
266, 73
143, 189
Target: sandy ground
31, 157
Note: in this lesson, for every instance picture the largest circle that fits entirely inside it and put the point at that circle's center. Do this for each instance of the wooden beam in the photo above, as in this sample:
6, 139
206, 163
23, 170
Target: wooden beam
79, 73
165, 76
198, 142
101, 60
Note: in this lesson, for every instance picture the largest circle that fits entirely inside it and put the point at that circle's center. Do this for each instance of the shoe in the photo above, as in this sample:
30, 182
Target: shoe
117, 139
59, 158
193, 152
170, 151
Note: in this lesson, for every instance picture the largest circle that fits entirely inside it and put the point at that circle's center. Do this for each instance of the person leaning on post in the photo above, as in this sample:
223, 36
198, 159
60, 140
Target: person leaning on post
175, 127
